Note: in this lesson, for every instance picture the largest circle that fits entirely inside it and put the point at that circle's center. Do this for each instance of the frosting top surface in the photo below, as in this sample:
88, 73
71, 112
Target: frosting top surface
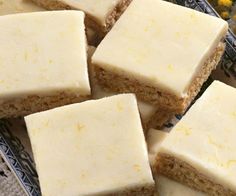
165, 53
90, 143
43, 52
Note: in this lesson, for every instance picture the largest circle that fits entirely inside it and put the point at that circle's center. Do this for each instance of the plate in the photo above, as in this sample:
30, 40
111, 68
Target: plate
17, 158
16, 152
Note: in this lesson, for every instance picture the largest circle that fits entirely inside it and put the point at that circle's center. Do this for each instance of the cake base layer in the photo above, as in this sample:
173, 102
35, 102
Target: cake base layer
158, 119
154, 95
52, 4
140, 191
34, 103
183, 172
91, 22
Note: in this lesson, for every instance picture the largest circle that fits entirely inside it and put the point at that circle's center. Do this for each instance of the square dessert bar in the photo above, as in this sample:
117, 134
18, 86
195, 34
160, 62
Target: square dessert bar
163, 58
92, 148
43, 63
101, 15
200, 150
164, 185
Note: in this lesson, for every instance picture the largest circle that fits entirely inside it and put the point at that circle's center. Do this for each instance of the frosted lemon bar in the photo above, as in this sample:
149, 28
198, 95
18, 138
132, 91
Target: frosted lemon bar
92, 148
100, 14
17, 6
164, 185
164, 60
200, 150
43, 64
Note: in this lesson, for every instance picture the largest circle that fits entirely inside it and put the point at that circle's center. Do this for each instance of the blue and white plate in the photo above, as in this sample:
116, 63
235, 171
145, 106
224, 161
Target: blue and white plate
17, 159
21, 163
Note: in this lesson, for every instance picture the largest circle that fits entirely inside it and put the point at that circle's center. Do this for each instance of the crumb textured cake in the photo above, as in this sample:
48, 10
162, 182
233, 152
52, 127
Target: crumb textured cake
200, 150
92, 148
164, 60
43, 61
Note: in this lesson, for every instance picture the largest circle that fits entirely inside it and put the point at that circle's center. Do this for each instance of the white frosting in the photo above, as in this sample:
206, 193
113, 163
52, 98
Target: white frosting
160, 44
90, 148
98, 9
146, 110
205, 137
17, 6
167, 187
154, 140
42, 53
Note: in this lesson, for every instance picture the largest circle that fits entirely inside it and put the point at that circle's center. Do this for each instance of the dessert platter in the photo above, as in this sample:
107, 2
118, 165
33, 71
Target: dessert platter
117, 98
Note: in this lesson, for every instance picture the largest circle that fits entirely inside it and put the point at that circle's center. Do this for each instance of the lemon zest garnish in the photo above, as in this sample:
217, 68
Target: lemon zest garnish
186, 130
120, 106
211, 141
80, 127
137, 167
230, 163
170, 67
